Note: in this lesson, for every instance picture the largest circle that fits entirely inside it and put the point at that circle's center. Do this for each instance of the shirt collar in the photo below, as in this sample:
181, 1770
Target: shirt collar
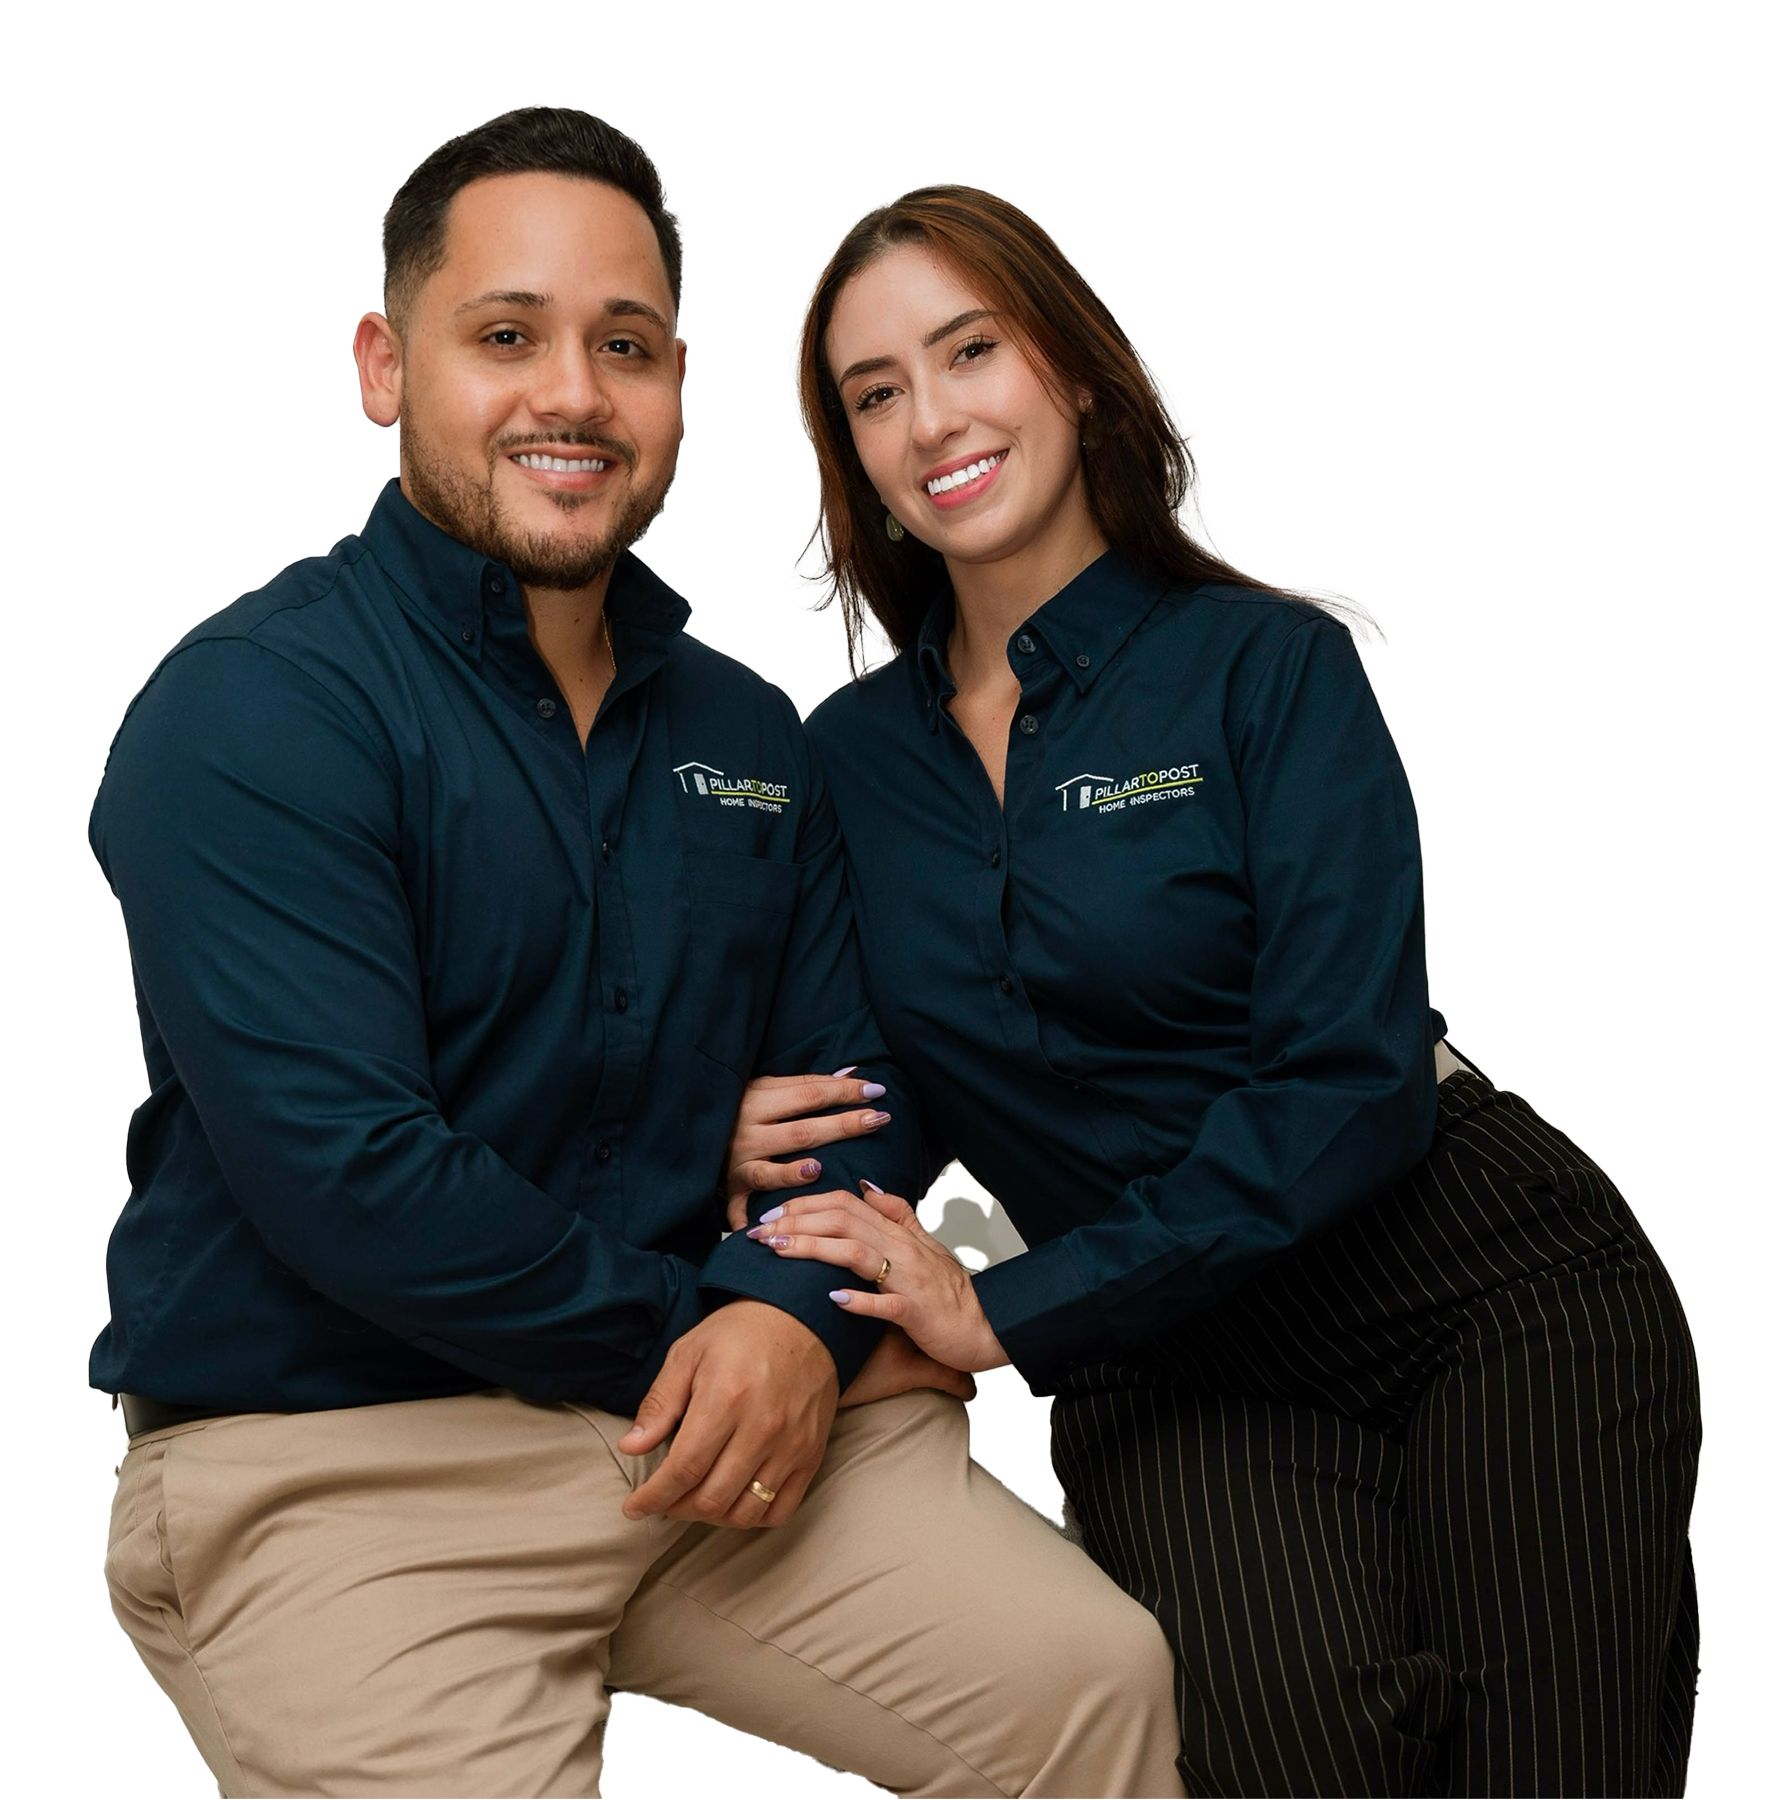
1081, 627
458, 586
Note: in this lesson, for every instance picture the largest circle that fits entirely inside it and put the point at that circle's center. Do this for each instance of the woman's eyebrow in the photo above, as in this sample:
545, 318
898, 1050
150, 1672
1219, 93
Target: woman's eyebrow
870, 363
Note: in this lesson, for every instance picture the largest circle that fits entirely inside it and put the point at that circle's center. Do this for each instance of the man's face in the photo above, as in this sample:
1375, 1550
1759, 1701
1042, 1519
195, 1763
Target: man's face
540, 393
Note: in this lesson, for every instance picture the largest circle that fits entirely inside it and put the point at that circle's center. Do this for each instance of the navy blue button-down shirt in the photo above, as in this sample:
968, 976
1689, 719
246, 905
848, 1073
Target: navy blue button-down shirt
446, 1017
1169, 1002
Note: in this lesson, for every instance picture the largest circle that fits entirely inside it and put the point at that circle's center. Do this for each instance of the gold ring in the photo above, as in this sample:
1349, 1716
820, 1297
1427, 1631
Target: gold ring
885, 1270
764, 1494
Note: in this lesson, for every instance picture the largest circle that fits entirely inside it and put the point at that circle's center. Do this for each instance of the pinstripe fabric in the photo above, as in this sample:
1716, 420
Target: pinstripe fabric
1411, 1507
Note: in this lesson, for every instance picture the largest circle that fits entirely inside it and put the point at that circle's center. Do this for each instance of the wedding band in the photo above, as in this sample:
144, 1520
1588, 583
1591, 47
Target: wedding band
763, 1494
885, 1270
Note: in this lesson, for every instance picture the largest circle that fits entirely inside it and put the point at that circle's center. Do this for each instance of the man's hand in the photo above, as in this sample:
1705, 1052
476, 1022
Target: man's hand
755, 1392
895, 1366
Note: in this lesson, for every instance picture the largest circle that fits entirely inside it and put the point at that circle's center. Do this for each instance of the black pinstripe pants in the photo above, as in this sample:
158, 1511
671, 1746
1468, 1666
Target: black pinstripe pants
1411, 1507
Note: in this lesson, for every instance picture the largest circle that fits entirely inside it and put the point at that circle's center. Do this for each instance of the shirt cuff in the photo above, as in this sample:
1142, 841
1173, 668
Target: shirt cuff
1041, 1311
740, 1268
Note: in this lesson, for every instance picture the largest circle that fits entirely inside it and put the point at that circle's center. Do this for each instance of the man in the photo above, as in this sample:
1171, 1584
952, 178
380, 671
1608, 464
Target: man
464, 891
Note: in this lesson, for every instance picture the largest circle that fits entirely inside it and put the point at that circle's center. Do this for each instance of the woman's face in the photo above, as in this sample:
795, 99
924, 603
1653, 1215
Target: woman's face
969, 448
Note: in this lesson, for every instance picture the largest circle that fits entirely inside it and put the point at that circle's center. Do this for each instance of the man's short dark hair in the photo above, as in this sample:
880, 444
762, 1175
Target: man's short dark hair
550, 140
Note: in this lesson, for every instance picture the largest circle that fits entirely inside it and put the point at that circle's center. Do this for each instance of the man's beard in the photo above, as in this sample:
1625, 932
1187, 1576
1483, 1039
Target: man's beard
475, 516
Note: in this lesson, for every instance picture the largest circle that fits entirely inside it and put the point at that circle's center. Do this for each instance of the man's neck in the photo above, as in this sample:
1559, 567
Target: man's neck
568, 628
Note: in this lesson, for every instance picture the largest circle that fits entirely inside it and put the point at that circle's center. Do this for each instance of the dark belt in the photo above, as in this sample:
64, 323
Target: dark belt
143, 1414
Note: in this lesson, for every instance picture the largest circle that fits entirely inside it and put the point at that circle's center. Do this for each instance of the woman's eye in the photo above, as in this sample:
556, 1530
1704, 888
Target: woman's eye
973, 350
870, 398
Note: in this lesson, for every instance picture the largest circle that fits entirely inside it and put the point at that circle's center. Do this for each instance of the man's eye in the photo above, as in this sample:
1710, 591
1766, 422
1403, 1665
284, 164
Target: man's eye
506, 338
626, 346
870, 398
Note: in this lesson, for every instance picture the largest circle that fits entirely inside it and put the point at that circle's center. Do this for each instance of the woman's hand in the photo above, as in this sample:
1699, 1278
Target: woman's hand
924, 1290
782, 1115
895, 1366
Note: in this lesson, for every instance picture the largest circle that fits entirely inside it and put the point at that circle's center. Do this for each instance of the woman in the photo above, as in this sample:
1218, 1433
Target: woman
1367, 1382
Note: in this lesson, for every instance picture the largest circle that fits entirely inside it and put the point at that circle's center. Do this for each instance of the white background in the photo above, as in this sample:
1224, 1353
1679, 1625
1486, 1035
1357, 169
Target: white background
1466, 312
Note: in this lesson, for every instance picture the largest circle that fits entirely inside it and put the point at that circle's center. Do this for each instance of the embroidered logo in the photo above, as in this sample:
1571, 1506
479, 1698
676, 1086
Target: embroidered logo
1104, 793
731, 790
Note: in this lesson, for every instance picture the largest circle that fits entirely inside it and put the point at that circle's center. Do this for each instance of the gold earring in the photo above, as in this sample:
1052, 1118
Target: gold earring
894, 529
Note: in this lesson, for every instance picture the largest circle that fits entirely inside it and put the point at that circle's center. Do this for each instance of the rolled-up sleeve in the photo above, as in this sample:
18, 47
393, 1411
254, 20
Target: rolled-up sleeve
1341, 1097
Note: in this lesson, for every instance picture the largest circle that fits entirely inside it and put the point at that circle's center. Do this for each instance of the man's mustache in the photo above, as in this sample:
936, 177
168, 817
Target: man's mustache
609, 448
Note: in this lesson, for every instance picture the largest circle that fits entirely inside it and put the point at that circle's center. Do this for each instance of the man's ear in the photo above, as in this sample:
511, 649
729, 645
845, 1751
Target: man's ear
379, 353
681, 362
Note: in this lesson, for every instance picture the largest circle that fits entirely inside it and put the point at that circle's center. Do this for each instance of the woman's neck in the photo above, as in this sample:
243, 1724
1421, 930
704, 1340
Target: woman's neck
993, 598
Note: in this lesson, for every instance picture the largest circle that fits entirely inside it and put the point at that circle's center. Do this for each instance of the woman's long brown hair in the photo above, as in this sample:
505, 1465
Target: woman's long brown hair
1137, 467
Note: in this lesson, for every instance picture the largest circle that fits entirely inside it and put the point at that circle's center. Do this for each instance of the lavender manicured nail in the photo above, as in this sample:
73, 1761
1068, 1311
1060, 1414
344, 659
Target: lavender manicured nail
872, 1090
811, 1169
842, 1296
769, 1217
879, 1118
755, 1231
780, 1243
872, 1186
835, 1073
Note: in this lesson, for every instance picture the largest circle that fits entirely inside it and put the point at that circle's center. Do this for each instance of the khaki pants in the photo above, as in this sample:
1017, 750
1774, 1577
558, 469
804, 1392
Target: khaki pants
435, 1597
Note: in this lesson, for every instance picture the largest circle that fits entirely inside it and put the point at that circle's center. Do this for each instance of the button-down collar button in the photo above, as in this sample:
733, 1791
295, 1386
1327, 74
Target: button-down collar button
603, 1152
1026, 644
545, 708
997, 857
1006, 985
492, 583
1028, 724
1083, 661
620, 1000
467, 635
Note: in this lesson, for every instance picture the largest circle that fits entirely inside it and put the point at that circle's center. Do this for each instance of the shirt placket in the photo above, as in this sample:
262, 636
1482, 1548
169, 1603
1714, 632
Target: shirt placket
617, 1000
1042, 692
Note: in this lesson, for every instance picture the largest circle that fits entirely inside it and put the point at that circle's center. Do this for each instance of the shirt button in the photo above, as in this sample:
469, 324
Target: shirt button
545, 708
620, 1000
1083, 661
607, 851
602, 1152
997, 857
1028, 724
467, 635
494, 584
1026, 644
1006, 985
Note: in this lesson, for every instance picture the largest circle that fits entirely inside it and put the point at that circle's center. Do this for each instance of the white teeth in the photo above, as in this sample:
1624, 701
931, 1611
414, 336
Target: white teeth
961, 477
564, 465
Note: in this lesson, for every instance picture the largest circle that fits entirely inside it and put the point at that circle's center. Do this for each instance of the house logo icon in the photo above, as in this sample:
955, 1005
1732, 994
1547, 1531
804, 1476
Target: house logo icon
1085, 784
698, 777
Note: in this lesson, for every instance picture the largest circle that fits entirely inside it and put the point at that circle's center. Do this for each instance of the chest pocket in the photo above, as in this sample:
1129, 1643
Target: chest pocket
740, 911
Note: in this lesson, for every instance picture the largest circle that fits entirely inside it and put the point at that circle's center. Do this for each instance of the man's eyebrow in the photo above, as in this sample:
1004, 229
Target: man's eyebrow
638, 309
507, 297
869, 364
619, 308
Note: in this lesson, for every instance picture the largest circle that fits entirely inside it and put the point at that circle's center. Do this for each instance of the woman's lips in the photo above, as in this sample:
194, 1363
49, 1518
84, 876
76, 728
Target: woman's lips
948, 498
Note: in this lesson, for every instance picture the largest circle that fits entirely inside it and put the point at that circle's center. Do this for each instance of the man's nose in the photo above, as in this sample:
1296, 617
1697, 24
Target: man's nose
571, 387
